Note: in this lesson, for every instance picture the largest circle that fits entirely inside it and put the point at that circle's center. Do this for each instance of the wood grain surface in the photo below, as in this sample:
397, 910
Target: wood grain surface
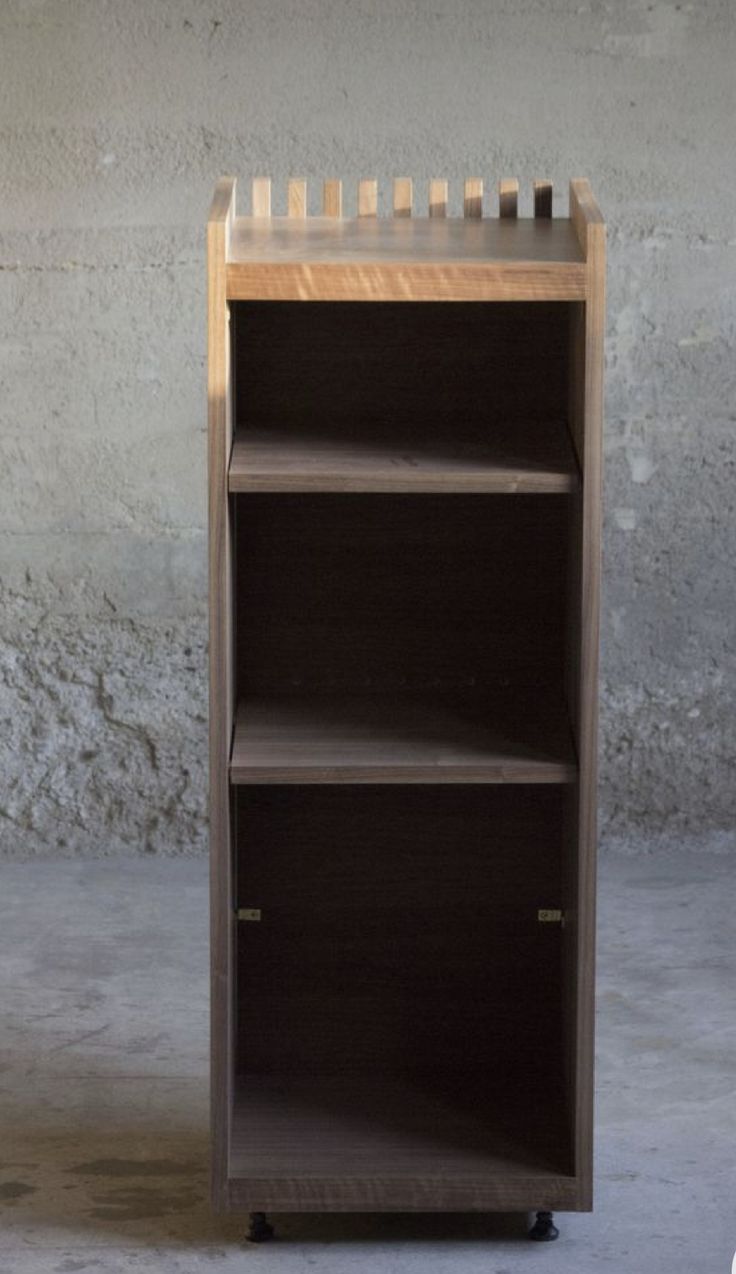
402, 739
405, 258
525, 457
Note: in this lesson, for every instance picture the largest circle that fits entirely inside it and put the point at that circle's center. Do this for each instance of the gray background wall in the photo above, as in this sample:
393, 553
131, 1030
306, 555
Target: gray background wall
117, 116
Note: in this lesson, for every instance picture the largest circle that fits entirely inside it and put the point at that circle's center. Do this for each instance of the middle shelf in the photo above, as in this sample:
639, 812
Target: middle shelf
515, 456
400, 639
339, 738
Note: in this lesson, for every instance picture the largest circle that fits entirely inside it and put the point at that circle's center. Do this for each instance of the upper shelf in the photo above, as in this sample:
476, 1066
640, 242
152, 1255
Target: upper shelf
403, 258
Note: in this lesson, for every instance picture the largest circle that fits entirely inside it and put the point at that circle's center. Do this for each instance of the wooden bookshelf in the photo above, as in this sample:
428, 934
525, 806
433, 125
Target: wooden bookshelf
404, 492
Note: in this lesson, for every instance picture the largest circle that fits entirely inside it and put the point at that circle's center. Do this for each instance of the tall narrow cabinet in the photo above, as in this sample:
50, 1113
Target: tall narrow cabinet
404, 509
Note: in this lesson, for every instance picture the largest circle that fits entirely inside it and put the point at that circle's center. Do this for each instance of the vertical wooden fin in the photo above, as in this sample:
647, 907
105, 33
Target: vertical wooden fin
332, 198
473, 197
367, 198
261, 196
220, 221
508, 197
403, 196
438, 198
297, 197
543, 199
586, 218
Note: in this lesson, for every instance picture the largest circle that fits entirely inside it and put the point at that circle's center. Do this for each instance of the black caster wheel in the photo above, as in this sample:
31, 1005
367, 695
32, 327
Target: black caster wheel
260, 1231
544, 1229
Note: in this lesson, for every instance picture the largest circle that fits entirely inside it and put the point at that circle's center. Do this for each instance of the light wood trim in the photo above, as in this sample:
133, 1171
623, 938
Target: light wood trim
543, 199
473, 197
586, 216
508, 197
367, 198
332, 198
483, 1192
221, 686
297, 197
222, 209
261, 196
438, 198
403, 196
495, 281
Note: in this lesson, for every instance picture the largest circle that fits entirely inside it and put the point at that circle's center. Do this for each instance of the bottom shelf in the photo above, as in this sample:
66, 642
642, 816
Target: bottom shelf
375, 1143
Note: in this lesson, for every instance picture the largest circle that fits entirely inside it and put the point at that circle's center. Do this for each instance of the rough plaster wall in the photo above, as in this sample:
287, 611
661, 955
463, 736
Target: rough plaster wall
117, 116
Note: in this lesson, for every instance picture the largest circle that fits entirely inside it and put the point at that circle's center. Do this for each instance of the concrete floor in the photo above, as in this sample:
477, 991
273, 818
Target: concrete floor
103, 1088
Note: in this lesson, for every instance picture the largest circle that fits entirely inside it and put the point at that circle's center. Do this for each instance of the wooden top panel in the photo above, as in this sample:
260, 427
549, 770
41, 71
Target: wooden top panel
404, 259
432, 240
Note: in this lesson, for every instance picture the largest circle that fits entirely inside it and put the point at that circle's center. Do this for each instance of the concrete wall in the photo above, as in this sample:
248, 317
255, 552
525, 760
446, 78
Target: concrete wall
117, 116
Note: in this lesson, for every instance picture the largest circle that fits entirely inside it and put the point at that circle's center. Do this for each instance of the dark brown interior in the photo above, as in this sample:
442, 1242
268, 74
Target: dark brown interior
379, 593
397, 373
399, 936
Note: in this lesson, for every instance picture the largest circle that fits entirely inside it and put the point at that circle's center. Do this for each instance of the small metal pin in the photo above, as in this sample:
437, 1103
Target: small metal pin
549, 915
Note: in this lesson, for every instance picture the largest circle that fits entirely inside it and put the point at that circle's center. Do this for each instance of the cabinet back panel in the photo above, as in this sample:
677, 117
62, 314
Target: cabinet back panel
345, 369
399, 931
400, 592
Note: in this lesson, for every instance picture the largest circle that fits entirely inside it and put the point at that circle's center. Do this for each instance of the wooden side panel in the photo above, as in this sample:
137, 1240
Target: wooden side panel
586, 413
222, 692
588, 712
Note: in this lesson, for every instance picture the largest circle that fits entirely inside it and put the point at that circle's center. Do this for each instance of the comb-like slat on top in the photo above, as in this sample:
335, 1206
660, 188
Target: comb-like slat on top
438, 198
543, 199
261, 196
367, 198
508, 197
332, 198
402, 196
473, 197
297, 197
